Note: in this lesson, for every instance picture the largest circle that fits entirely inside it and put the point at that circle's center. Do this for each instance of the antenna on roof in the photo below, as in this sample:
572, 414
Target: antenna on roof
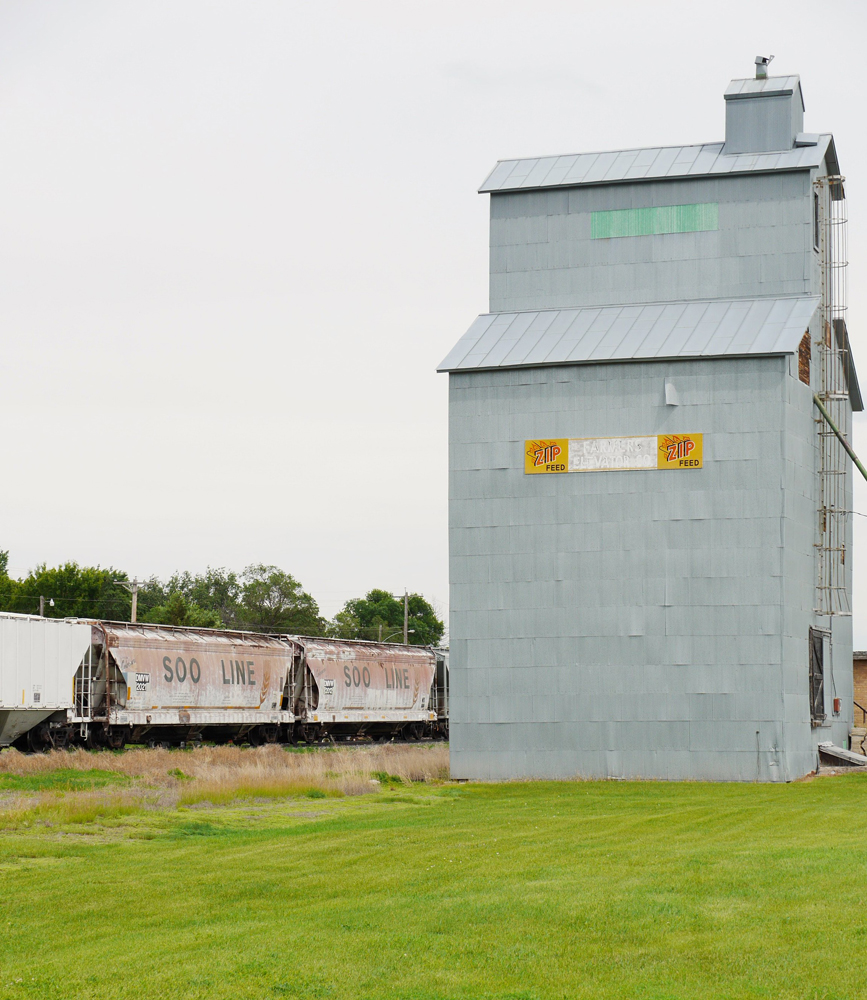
762, 63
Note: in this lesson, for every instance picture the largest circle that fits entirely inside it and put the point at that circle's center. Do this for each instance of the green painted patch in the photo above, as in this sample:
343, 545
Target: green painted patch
654, 221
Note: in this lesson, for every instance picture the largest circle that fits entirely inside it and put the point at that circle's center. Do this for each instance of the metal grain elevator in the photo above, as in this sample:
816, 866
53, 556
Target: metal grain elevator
649, 518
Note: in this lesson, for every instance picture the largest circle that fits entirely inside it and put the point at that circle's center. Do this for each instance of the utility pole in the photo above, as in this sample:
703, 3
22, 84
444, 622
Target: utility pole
406, 628
132, 586
41, 607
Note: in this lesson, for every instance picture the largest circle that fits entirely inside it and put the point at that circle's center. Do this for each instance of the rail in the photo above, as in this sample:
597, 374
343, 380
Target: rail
863, 711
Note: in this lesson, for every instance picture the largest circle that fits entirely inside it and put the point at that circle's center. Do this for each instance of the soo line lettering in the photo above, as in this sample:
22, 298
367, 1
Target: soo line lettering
237, 672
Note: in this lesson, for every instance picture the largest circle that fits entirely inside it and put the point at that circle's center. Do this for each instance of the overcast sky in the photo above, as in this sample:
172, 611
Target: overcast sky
237, 238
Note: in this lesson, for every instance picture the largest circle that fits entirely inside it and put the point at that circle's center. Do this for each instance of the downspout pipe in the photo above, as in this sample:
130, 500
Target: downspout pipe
840, 438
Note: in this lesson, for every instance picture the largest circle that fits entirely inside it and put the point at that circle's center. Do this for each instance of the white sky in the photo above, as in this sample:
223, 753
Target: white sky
236, 239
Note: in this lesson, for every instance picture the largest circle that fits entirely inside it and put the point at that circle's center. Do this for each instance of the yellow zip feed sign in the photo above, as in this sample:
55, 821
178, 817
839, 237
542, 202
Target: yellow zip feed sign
660, 451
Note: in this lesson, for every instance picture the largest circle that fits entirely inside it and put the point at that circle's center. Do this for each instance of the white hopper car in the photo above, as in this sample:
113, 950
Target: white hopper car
106, 684
39, 658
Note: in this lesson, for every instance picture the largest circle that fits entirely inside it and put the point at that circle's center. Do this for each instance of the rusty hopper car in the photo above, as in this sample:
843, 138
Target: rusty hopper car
155, 683
107, 684
38, 660
352, 688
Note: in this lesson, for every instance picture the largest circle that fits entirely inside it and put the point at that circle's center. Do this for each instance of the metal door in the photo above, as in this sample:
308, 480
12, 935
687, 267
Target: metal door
817, 676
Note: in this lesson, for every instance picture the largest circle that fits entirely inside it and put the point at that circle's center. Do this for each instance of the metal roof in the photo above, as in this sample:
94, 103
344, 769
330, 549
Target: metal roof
651, 164
144, 633
693, 329
770, 86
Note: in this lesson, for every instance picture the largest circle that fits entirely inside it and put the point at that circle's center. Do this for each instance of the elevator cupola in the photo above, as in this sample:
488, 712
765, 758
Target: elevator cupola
764, 114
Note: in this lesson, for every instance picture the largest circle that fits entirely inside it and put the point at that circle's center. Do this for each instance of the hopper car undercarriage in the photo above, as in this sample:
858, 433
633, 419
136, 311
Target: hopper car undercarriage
99, 735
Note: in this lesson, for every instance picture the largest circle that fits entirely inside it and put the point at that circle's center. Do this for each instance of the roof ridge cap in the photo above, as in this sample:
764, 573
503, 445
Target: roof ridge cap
602, 152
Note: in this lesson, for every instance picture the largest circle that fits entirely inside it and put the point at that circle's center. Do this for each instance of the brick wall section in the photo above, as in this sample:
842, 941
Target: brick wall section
804, 359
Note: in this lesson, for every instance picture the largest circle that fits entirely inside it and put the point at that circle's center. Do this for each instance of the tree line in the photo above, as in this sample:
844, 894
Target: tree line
260, 598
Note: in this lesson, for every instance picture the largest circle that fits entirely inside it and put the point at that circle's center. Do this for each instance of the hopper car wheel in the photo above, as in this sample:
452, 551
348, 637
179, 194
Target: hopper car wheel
261, 735
39, 739
115, 739
35, 740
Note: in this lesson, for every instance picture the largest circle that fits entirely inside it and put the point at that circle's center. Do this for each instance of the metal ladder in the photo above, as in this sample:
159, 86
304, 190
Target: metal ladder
832, 398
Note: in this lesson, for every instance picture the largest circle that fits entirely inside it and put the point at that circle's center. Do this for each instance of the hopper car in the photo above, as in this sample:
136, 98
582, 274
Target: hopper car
105, 684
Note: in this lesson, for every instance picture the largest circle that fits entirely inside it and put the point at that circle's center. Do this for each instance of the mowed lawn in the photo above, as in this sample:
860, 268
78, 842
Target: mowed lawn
434, 891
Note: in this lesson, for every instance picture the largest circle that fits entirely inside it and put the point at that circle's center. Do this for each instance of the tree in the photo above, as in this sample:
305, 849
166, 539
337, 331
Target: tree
262, 597
363, 617
274, 601
77, 592
8, 586
216, 591
345, 625
177, 610
151, 595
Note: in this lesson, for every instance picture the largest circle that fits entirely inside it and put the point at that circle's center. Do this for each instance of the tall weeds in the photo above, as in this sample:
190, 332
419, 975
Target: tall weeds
167, 778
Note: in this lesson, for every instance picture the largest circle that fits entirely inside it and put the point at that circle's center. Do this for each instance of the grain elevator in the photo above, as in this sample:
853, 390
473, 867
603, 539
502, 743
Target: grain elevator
650, 537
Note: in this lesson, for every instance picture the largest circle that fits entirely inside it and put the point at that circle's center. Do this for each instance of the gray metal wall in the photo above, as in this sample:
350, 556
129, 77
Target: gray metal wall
542, 255
637, 624
760, 124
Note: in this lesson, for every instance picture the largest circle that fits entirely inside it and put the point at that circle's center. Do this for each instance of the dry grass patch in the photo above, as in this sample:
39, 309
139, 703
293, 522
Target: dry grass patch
80, 786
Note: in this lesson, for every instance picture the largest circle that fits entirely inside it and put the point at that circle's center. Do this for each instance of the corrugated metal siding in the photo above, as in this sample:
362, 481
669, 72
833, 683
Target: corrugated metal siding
543, 255
38, 659
676, 329
761, 124
634, 623
645, 164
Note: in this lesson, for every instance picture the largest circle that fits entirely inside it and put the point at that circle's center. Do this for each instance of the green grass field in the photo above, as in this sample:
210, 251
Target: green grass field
436, 890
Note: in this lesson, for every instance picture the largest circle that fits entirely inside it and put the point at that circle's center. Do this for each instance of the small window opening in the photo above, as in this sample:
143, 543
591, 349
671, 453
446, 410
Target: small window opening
817, 676
804, 359
815, 220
